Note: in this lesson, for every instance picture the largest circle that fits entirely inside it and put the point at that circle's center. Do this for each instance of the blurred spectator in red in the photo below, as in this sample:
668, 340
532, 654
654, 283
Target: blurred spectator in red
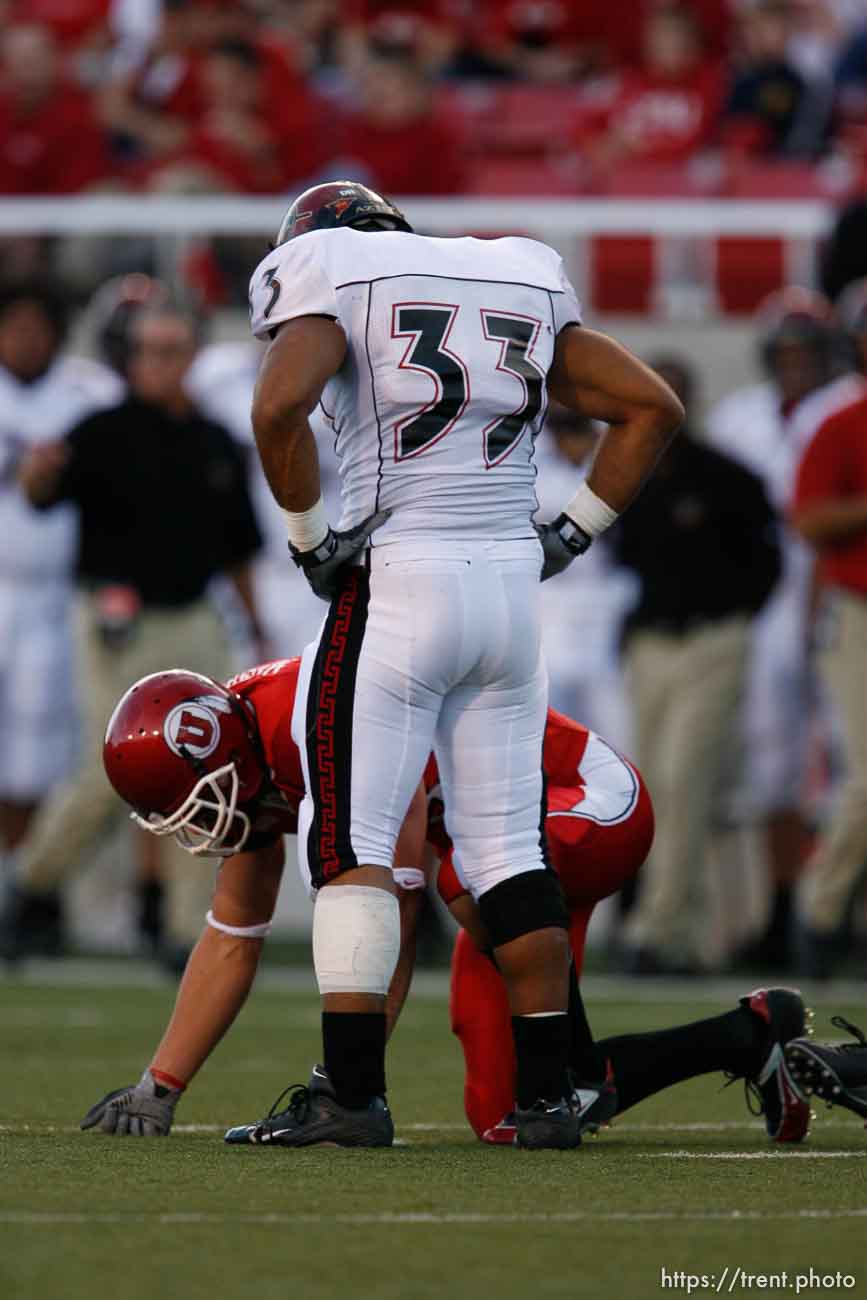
623, 23
310, 26
245, 139
668, 110
394, 140
771, 109
73, 22
431, 27
50, 142
538, 40
150, 104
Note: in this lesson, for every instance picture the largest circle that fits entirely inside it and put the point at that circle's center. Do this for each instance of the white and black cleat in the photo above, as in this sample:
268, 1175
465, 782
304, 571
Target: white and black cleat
547, 1125
313, 1117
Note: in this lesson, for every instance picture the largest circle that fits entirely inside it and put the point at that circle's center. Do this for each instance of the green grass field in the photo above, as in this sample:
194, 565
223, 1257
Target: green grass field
685, 1182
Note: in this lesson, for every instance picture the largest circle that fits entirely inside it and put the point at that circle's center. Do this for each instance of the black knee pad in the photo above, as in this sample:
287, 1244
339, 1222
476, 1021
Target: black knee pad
531, 901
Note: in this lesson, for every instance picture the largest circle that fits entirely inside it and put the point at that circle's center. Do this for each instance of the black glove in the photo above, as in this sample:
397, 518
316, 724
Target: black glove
562, 540
322, 567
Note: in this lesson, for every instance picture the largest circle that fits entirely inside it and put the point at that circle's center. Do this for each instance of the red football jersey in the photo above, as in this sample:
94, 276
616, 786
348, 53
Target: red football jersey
270, 689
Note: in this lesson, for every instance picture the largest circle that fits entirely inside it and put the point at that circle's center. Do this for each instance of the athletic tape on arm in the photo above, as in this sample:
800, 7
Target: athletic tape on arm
239, 931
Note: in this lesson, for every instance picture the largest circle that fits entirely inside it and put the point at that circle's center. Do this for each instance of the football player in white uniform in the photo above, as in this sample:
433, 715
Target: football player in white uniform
433, 360
42, 395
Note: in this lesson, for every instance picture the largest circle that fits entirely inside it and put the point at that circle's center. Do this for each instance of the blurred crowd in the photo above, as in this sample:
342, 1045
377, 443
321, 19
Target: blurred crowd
421, 96
717, 634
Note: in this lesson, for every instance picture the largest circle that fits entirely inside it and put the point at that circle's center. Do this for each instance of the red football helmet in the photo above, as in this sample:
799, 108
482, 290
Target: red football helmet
183, 752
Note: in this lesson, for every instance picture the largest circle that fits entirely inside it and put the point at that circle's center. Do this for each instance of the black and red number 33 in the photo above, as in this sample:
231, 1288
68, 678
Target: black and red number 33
427, 327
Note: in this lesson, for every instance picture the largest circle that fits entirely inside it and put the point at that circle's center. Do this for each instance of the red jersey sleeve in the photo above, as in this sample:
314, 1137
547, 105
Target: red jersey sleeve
563, 749
821, 473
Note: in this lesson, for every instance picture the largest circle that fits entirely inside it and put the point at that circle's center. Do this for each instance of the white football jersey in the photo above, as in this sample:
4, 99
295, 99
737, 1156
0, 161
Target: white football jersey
39, 545
443, 391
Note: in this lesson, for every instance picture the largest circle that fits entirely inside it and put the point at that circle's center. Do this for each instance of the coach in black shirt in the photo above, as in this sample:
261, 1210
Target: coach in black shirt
702, 540
163, 507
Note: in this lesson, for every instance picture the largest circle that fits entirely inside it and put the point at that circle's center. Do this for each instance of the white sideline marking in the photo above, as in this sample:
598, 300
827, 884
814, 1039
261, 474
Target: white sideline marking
752, 1155
25, 1218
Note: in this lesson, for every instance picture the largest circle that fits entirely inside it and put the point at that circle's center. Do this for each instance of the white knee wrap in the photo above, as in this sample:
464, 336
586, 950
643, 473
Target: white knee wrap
356, 939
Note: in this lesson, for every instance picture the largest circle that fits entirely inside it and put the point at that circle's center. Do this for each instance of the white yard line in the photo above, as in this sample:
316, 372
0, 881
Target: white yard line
39, 1219
751, 1155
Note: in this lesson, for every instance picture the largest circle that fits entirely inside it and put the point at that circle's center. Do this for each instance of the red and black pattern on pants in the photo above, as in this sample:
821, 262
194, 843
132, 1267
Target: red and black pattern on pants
593, 860
330, 704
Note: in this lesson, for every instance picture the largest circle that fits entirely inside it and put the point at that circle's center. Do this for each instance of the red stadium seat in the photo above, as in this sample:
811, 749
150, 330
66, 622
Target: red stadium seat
623, 273
747, 270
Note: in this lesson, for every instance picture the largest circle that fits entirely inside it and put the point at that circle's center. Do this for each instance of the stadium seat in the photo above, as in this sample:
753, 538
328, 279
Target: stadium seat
623, 272
747, 270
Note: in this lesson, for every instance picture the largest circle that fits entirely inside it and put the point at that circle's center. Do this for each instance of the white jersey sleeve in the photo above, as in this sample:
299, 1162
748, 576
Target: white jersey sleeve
565, 304
292, 281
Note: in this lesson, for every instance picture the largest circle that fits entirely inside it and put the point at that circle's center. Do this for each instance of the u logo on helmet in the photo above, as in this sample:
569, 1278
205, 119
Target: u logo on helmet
192, 728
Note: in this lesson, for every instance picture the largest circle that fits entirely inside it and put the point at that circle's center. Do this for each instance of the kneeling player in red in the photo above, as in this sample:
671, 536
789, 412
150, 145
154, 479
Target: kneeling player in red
599, 828
217, 767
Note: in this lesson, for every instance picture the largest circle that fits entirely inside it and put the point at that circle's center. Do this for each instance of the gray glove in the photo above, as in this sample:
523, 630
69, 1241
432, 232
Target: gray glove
143, 1109
322, 567
562, 541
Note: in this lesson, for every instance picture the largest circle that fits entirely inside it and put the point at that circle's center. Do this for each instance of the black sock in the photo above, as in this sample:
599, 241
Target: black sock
646, 1063
542, 1049
780, 919
354, 1045
585, 1059
150, 911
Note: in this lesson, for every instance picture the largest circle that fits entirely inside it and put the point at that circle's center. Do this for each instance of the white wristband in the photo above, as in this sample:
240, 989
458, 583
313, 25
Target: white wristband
239, 931
589, 512
307, 528
409, 877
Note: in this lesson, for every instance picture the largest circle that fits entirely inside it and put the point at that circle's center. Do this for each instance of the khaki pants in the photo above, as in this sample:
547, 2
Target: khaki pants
842, 852
78, 811
686, 690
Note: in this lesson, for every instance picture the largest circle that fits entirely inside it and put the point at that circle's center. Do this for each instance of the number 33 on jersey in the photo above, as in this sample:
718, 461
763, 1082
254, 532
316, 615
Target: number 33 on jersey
438, 403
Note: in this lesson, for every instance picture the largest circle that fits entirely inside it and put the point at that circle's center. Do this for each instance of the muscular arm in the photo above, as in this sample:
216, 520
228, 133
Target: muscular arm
826, 522
599, 378
296, 367
221, 969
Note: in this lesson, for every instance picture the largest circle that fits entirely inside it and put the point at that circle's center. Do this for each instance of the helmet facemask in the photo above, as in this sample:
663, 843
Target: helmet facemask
207, 817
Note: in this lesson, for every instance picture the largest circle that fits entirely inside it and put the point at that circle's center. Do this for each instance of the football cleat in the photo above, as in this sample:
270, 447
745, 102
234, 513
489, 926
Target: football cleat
772, 1091
504, 1133
313, 1116
547, 1125
838, 1073
595, 1103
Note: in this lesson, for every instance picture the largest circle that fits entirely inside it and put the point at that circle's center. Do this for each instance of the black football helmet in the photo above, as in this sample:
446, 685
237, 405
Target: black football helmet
340, 203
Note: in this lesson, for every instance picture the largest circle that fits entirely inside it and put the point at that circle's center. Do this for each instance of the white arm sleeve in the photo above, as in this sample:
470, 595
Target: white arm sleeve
567, 308
290, 282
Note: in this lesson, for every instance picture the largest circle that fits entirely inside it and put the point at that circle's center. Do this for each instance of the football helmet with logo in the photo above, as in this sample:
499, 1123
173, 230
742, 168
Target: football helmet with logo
183, 752
340, 203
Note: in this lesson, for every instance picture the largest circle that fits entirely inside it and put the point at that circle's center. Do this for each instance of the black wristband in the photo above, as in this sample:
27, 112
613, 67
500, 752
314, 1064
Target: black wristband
573, 538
